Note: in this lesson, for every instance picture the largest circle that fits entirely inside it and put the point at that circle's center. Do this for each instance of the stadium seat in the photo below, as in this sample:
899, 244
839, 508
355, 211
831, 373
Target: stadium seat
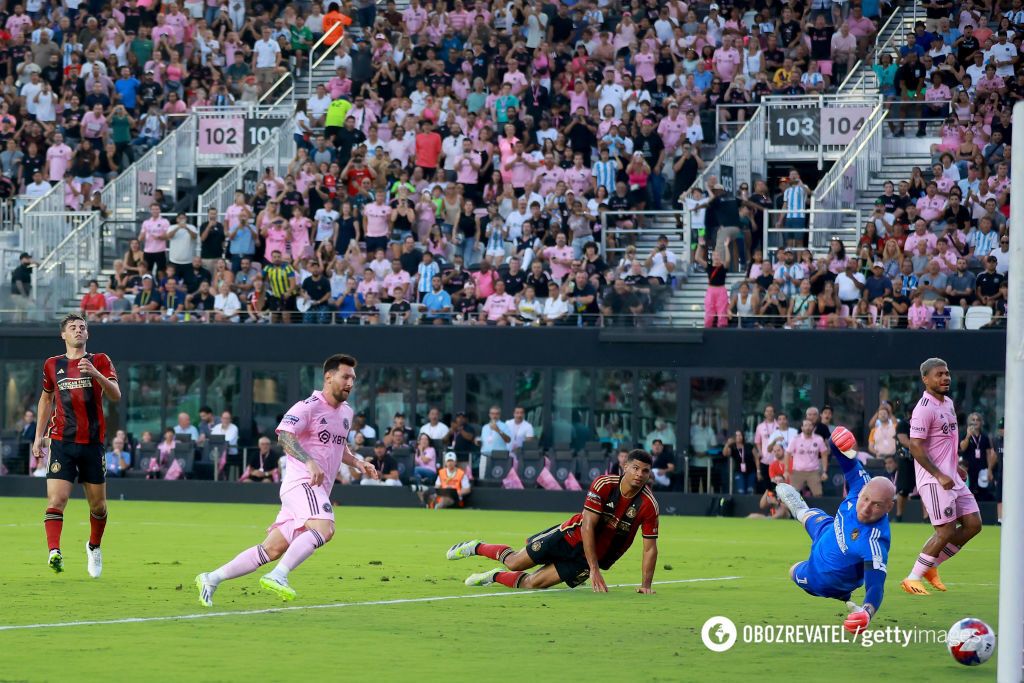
405, 462
589, 469
366, 452
956, 318
185, 454
530, 467
498, 465
977, 317
594, 447
562, 467
143, 466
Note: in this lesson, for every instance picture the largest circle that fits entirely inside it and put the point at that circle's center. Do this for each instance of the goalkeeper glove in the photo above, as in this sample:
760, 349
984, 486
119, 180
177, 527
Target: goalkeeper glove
857, 621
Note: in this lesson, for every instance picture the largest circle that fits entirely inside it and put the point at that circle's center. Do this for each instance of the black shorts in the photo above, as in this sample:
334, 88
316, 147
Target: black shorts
80, 462
551, 547
906, 478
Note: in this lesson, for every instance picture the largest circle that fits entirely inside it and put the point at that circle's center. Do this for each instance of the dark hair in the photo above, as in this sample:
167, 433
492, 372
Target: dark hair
206, 409
70, 318
337, 360
641, 455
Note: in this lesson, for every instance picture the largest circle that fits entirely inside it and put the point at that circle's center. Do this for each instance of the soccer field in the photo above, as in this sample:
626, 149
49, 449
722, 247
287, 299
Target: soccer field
381, 603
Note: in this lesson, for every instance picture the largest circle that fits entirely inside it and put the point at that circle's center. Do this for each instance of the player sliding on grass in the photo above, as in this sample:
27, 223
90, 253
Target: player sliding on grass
852, 548
314, 436
934, 443
615, 508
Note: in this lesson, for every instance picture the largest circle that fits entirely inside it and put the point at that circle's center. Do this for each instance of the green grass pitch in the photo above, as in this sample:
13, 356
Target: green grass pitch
152, 552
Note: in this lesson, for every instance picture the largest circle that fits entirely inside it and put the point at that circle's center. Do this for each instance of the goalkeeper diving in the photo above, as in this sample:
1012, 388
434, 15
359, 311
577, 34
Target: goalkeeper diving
850, 549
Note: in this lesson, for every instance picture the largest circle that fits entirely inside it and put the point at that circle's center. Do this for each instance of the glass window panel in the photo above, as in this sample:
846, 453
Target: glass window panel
23, 382
182, 395
223, 384
483, 390
392, 387
570, 412
709, 412
846, 396
145, 397
899, 388
613, 413
434, 387
796, 397
269, 396
529, 393
657, 407
757, 393
989, 395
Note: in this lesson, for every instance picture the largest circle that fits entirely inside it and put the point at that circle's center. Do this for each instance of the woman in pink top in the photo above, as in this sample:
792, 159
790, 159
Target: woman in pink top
919, 316
507, 149
951, 136
637, 172
274, 230
354, 256
837, 257
644, 63
579, 98
426, 459
175, 74
626, 31
301, 246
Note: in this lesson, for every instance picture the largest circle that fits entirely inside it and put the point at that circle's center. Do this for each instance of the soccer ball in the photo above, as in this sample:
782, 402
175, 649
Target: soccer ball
845, 441
971, 641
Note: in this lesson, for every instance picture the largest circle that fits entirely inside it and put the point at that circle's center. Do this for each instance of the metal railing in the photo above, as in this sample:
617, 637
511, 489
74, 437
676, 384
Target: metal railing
315, 61
678, 230
819, 227
851, 172
744, 156
59, 277
277, 152
861, 78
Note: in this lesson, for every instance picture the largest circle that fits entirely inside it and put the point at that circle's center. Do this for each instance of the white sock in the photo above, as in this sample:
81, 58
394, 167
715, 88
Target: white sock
913, 577
802, 513
279, 572
215, 577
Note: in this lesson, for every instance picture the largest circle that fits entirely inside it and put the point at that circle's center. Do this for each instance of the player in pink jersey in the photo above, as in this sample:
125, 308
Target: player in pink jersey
940, 479
314, 436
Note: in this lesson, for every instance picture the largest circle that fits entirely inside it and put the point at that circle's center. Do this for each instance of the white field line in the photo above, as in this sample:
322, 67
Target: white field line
336, 605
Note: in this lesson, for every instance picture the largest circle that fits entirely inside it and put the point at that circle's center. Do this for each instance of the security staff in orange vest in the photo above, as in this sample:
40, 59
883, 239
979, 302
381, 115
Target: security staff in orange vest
332, 19
452, 485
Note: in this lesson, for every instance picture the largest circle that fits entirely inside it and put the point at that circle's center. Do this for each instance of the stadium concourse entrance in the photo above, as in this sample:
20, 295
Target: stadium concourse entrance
583, 389
808, 170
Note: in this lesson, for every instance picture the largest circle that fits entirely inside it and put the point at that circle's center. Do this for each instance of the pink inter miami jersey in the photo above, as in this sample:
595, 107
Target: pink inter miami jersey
935, 422
322, 432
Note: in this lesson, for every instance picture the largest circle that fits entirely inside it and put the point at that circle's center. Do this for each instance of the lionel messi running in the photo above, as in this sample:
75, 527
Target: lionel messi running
616, 507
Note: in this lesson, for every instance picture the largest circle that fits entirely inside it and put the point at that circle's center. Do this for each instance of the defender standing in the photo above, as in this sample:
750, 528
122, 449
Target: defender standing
74, 385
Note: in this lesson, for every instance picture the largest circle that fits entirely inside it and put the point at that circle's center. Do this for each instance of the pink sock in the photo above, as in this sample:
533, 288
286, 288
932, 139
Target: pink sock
300, 550
924, 563
246, 562
949, 551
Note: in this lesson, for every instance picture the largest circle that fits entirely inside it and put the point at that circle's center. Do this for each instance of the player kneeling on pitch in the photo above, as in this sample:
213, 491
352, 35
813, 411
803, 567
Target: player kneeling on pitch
852, 548
615, 508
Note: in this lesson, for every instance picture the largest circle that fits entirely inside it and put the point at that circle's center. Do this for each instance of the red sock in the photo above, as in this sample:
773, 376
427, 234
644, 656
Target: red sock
494, 551
510, 579
96, 524
53, 522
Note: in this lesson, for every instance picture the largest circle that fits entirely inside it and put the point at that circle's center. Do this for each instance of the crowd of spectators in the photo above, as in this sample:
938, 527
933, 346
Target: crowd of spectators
486, 132
937, 243
87, 87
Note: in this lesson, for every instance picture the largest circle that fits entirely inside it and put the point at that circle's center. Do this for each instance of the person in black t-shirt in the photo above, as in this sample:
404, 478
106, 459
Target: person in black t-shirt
515, 278
537, 278
975, 453
583, 299
318, 288
905, 476
909, 83
211, 240
986, 287
455, 278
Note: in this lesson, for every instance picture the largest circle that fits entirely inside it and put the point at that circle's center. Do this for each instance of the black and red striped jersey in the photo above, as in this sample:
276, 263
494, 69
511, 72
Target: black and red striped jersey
78, 403
621, 518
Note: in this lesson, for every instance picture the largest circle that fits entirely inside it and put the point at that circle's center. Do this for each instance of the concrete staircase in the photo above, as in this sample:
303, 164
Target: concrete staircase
889, 39
900, 157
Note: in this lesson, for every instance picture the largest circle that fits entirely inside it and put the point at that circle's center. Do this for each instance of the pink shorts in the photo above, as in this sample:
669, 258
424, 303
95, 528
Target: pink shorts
298, 505
945, 506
